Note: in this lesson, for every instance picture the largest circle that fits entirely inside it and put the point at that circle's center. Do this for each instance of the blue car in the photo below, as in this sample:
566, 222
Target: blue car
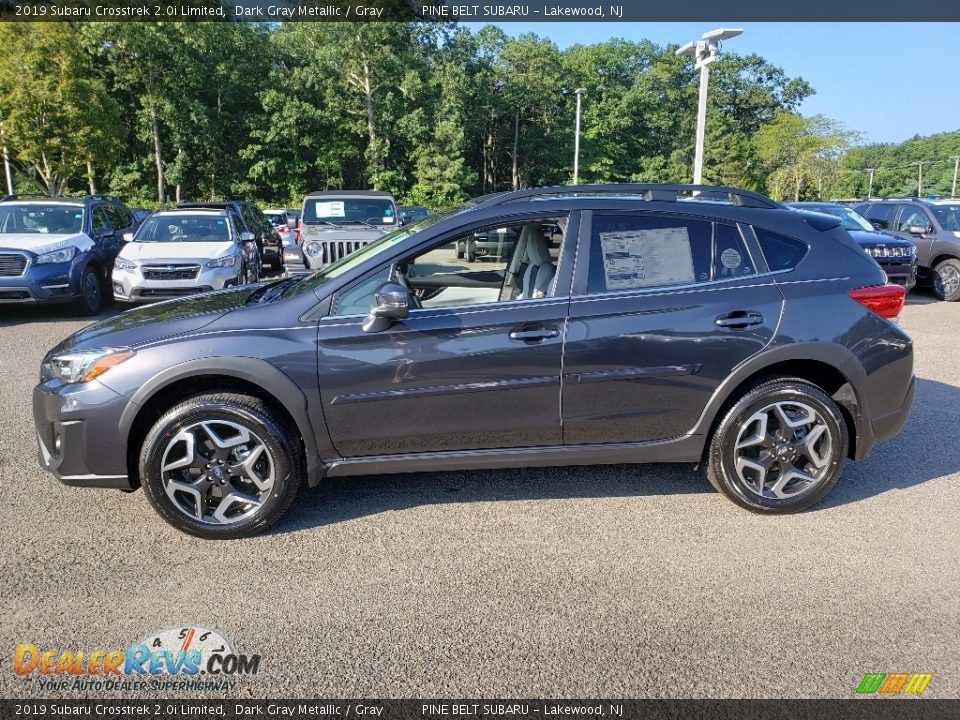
60, 250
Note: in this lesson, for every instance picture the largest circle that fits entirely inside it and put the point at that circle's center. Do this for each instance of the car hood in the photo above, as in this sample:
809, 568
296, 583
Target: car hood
153, 322
866, 237
175, 250
41, 243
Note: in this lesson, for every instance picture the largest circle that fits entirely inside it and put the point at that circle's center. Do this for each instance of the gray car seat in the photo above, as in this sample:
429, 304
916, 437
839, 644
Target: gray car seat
540, 269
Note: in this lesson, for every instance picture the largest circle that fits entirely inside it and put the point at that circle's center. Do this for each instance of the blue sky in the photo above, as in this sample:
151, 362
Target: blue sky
889, 81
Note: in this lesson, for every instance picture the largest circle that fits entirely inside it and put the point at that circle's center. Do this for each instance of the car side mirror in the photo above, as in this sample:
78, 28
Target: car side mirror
392, 302
128, 237
247, 236
919, 229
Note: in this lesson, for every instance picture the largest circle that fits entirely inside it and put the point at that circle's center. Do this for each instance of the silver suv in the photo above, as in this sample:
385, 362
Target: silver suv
335, 223
934, 227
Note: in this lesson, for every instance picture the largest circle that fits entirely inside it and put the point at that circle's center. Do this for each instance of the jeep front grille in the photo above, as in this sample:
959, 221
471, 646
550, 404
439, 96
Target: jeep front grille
330, 251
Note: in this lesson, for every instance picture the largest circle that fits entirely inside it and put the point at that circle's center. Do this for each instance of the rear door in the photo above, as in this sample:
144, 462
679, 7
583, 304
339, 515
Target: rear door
663, 307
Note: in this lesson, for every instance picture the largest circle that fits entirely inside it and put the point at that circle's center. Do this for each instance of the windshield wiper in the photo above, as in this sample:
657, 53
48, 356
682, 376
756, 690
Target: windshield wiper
363, 222
322, 222
271, 291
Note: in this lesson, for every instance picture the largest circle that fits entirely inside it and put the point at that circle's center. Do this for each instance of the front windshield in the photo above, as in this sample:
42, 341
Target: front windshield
47, 219
851, 220
184, 227
277, 219
949, 216
373, 211
381, 245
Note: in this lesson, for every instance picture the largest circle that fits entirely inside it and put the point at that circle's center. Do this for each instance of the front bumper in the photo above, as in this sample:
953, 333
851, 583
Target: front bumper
54, 283
78, 438
130, 285
900, 273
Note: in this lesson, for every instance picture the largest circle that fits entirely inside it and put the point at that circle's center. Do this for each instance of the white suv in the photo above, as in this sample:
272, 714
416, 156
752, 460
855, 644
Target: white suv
183, 252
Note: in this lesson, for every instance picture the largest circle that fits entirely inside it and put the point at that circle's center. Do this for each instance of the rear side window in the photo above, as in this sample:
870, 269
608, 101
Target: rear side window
879, 214
780, 251
630, 252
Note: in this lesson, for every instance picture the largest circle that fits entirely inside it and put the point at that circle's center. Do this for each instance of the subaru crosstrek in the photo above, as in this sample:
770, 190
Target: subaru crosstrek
655, 326
60, 250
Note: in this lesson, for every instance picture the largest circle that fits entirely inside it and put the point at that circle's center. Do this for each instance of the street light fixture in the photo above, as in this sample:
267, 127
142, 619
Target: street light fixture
576, 139
704, 52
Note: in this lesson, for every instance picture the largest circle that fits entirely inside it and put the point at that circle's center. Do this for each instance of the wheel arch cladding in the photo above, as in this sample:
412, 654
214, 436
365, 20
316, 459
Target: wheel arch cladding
243, 375
827, 375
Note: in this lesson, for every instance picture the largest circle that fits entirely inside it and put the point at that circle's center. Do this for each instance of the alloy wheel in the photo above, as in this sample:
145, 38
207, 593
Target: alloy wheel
91, 290
948, 280
783, 450
217, 472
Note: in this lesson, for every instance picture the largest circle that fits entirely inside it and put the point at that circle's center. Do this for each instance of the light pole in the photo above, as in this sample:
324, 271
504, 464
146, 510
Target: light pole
870, 186
704, 52
956, 166
6, 161
576, 139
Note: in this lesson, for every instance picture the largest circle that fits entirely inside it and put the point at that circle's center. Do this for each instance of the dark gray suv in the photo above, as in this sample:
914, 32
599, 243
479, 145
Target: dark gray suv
934, 227
655, 326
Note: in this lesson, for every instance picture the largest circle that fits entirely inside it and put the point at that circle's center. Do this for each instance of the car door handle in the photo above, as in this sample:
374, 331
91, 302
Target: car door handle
739, 319
534, 334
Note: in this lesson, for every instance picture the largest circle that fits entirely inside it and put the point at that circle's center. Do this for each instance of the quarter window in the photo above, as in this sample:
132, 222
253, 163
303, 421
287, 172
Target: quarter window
879, 214
781, 252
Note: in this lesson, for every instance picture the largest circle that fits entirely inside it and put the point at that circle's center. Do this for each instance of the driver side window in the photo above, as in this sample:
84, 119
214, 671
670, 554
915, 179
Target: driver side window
501, 263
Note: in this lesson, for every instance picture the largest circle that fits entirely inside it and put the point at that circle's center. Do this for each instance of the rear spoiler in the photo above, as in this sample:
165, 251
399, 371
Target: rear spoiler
819, 221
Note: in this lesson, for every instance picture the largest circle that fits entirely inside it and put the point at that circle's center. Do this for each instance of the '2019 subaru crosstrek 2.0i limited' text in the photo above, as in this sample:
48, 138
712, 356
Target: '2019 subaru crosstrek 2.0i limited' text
630, 323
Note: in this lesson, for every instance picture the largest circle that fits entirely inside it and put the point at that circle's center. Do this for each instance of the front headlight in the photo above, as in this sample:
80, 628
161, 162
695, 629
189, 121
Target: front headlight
124, 264
313, 249
228, 261
57, 256
80, 367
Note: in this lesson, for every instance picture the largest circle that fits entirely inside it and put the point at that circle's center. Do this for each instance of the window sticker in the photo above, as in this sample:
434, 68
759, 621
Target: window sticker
387, 219
731, 258
330, 208
644, 258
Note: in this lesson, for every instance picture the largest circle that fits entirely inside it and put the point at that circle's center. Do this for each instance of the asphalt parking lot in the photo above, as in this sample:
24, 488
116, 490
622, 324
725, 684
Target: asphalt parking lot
629, 581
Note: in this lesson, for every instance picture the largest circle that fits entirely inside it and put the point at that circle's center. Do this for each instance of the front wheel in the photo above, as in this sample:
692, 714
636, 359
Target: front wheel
221, 465
780, 448
946, 280
91, 292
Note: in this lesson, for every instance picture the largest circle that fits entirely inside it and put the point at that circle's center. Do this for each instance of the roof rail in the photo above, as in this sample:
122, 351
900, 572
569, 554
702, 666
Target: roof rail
649, 191
109, 198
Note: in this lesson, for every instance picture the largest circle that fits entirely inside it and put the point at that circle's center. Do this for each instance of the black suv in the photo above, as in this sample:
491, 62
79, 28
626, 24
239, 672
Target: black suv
934, 227
897, 256
661, 327
249, 218
60, 250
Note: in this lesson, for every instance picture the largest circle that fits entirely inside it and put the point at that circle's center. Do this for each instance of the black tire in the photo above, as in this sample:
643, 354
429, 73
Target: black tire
90, 301
722, 455
946, 280
460, 251
471, 255
264, 425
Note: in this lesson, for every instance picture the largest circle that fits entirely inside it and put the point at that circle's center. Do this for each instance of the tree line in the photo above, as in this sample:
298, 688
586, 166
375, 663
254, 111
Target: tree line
435, 113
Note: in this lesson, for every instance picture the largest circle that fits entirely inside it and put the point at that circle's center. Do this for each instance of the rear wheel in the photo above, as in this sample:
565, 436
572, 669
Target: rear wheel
780, 448
221, 465
946, 280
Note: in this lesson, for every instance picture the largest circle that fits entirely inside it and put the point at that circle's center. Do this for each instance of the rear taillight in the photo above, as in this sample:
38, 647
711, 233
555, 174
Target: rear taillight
281, 228
297, 231
885, 300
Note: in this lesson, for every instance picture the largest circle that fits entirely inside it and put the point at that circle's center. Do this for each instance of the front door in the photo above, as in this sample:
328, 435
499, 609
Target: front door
670, 305
476, 366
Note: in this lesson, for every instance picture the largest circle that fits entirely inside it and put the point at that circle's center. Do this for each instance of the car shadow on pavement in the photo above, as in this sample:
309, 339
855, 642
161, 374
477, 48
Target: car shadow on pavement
340, 499
921, 452
913, 457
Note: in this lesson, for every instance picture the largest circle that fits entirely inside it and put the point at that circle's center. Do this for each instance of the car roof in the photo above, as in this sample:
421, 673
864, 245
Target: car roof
351, 193
218, 212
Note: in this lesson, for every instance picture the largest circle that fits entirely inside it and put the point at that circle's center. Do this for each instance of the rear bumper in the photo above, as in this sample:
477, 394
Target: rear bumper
77, 437
886, 426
